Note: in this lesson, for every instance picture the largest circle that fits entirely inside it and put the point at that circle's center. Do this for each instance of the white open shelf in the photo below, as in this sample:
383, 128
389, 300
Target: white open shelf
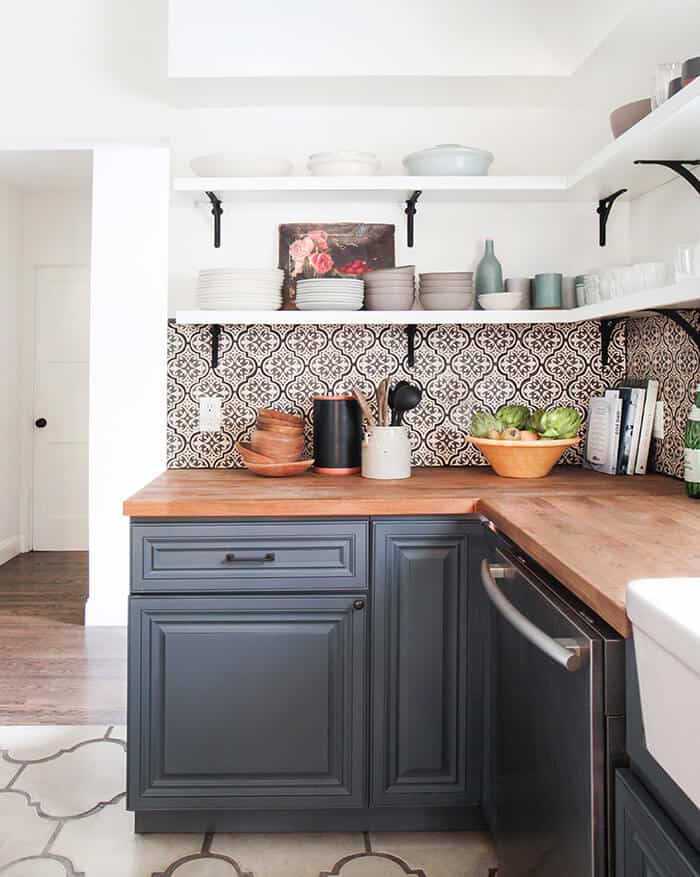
680, 295
670, 132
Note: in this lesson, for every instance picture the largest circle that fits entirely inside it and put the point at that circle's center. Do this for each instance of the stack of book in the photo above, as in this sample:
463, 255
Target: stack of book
620, 426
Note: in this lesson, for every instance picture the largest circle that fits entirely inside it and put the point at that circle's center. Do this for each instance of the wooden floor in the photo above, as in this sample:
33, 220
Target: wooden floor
61, 674
52, 669
47, 584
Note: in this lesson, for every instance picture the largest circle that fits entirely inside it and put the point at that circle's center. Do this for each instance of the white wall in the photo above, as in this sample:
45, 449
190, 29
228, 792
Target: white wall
10, 242
56, 230
663, 218
127, 356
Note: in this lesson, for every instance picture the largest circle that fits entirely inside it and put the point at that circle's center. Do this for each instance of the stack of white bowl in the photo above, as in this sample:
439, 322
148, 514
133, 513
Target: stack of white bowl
447, 290
390, 289
330, 294
344, 163
240, 289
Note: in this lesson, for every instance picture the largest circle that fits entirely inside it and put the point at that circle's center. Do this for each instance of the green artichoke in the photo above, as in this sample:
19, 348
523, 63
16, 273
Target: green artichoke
513, 416
560, 423
483, 422
534, 422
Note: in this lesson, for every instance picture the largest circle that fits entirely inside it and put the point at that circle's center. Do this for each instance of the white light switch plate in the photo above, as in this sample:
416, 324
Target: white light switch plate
658, 431
209, 413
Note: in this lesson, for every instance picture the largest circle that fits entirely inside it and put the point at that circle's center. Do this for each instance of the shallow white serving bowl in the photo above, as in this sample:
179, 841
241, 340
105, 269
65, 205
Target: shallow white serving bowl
449, 159
239, 164
448, 301
504, 301
344, 163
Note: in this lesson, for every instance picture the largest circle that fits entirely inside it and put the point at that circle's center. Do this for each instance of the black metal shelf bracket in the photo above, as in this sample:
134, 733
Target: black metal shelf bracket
215, 335
607, 328
411, 339
679, 167
410, 212
216, 211
603, 211
688, 328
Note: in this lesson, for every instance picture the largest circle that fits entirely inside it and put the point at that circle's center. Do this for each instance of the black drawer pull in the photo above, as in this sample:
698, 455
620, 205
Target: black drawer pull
358, 604
264, 558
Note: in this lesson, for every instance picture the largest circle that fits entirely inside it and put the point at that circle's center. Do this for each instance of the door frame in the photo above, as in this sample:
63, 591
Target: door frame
27, 381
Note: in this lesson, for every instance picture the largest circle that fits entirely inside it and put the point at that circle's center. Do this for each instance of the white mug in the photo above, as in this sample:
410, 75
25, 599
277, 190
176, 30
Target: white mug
386, 453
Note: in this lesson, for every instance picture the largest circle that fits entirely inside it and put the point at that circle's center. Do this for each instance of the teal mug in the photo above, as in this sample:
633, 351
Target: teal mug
547, 291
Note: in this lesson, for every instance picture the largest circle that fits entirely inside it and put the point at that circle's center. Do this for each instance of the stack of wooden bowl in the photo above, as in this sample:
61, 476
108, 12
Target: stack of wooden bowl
276, 445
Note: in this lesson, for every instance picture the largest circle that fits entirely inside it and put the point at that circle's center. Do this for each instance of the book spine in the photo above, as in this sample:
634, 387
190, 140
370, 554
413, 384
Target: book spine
625, 431
615, 428
647, 427
638, 402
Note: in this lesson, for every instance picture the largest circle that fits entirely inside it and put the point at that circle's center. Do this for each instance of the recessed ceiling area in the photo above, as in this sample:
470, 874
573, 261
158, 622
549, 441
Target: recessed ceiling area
232, 38
54, 169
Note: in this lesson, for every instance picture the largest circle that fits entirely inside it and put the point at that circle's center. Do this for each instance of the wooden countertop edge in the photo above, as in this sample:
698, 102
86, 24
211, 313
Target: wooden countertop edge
331, 507
609, 610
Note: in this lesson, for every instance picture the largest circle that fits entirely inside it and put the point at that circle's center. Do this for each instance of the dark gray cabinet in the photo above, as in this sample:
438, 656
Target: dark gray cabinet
247, 702
420, 662
647, 843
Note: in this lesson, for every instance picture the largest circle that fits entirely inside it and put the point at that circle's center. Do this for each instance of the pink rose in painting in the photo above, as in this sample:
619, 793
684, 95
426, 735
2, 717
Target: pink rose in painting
301, 248
321, 262
320, 238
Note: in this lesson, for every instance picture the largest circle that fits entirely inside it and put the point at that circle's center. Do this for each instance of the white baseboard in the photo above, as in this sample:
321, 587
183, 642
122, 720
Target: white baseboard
107, 613
9, 548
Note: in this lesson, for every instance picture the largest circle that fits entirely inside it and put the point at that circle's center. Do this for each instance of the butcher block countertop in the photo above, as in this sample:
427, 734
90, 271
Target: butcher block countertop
593, 532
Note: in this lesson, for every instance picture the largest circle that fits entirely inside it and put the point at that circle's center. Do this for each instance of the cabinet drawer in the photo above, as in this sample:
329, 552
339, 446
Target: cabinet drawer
648, 844
181, 556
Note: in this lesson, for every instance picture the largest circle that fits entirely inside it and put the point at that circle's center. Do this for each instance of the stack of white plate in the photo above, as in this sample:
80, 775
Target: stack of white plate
330, 294
240, 289
390, 289
447, 290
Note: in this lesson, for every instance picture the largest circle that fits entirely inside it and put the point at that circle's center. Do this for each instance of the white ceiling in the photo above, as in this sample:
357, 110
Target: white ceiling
387, 38
33, 170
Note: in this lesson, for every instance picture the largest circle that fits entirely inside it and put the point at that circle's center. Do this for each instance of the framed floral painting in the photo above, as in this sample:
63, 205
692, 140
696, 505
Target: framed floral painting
336, 249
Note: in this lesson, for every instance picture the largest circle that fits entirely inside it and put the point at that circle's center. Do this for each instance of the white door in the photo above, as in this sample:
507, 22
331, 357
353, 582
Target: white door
60, 477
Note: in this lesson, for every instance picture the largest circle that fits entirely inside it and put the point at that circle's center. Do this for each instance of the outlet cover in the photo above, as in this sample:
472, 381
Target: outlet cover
658, 431
209, 413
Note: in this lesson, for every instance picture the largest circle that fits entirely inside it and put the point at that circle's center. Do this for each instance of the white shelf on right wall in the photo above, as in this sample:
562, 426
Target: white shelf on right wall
681, 295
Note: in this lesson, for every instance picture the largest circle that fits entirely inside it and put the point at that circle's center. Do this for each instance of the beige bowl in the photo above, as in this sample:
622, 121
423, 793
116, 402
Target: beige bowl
624, 117
523, 459
447, 301
382, 302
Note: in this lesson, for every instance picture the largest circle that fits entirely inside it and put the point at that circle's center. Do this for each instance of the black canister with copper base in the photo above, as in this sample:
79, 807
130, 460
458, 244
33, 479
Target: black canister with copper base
337, 435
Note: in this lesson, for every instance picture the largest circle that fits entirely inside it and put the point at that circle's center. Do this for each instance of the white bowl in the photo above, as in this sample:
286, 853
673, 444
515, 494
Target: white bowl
343, 164
239, 164
504, 301
450, 160
450, 301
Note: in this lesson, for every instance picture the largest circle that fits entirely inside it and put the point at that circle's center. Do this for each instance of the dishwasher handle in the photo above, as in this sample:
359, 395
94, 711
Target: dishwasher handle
567, 652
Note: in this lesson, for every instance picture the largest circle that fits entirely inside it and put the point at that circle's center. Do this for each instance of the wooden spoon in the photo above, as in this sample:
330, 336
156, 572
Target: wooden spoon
364, 405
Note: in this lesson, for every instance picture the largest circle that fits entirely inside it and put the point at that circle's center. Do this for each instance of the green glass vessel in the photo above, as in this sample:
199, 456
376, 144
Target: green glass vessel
692, 449
489, 275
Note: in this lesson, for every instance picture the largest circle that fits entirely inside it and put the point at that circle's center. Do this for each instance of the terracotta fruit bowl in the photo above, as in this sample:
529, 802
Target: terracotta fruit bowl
280, 470
523, 459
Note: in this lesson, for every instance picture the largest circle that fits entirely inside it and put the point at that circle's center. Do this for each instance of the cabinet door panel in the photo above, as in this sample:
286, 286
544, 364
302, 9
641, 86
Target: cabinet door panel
419, 663
247, 702
647, 842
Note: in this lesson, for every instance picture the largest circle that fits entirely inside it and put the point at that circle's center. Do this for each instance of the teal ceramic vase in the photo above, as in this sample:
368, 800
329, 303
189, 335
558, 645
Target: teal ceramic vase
489, 275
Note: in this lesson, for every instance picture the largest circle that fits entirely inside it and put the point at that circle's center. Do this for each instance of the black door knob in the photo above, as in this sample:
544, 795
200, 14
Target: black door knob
40, 422
358, 604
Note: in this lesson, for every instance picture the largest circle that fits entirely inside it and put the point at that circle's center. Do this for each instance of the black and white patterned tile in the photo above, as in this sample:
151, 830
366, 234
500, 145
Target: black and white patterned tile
62, 812
658, 348
461, 369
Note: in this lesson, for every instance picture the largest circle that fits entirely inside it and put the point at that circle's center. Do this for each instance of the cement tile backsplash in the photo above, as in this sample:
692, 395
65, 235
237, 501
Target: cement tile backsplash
658, 348
461, 368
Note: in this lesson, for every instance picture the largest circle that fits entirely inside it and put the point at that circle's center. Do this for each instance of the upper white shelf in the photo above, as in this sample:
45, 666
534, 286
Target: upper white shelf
670, 132
680, 295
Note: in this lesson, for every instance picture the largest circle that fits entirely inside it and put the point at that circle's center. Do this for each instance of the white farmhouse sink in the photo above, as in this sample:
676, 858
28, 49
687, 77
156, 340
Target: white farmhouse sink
665, 616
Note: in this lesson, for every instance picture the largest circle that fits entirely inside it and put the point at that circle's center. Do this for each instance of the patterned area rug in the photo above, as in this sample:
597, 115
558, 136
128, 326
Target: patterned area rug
62, 815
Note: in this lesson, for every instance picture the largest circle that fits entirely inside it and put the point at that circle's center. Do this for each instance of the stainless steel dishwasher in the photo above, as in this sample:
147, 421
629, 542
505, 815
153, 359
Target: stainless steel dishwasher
554, 723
